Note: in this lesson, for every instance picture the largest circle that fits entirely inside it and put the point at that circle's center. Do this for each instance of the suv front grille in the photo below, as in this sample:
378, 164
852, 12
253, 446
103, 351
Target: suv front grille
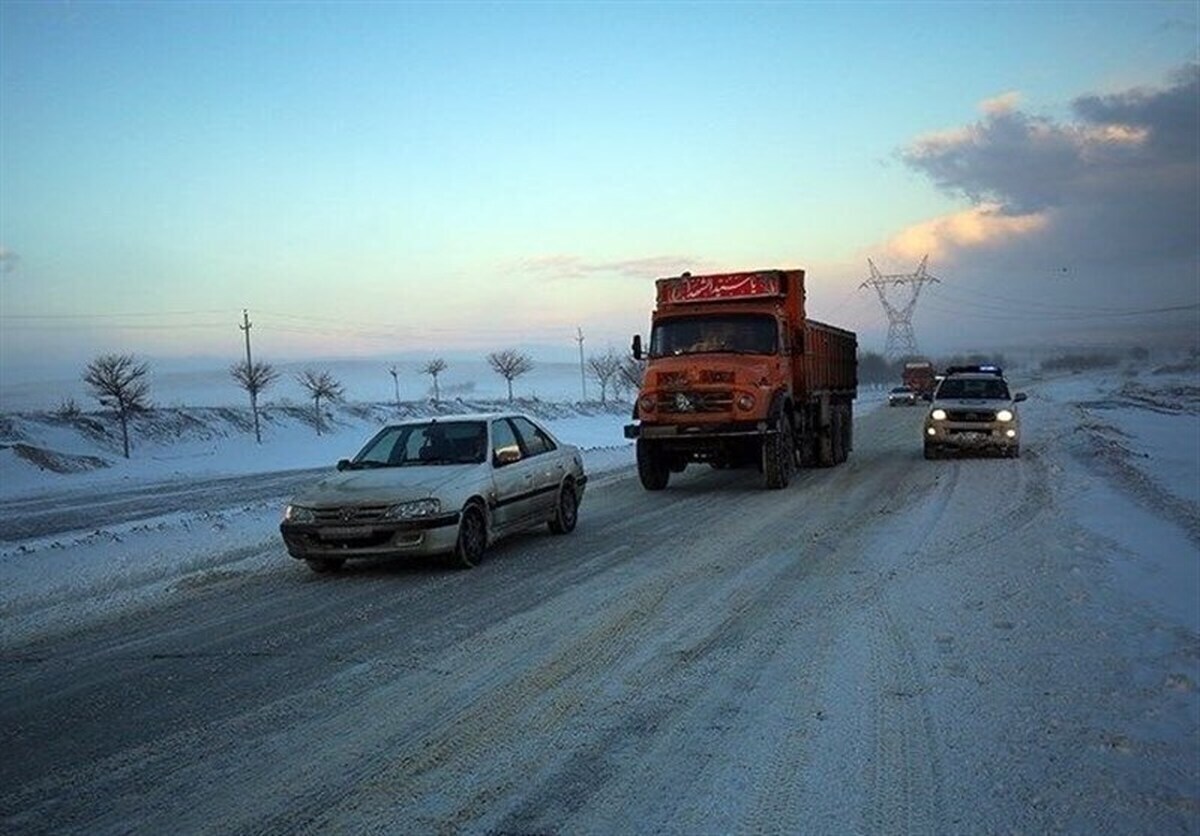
969, 416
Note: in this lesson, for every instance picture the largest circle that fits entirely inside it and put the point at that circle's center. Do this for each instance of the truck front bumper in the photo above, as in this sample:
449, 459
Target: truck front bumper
687, 431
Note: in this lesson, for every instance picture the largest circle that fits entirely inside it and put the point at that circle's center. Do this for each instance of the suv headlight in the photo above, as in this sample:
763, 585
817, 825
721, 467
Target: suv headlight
1004, 415
412, 510
299, 514
938, 415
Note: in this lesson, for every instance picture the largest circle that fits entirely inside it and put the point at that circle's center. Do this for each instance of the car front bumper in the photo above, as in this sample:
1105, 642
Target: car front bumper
972, 436
402, 538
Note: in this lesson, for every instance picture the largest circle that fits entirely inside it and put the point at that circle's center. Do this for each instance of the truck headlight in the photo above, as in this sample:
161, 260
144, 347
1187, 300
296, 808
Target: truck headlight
938, 415
412, 510
299, 514
1004, 415
646, 403
745, 402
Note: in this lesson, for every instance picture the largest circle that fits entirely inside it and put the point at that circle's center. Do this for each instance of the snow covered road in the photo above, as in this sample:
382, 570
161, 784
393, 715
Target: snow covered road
893, 646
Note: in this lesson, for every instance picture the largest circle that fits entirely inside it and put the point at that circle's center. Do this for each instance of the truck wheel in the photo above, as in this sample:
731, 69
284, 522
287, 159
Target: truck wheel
778, 456
652, 466
839, 435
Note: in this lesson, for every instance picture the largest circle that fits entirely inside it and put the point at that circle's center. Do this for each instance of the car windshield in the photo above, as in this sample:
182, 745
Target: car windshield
434, 443
736, 334
900, 390
973, 389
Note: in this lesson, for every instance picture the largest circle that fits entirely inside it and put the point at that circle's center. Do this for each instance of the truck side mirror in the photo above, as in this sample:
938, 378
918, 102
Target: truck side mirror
637, 346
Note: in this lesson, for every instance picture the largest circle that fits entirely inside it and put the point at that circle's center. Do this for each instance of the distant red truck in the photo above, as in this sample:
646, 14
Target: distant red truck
737, 375
921, 378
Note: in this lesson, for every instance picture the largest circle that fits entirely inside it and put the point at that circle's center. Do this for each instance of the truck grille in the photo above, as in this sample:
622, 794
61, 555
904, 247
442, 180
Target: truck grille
690, 403
350, 515
971, 416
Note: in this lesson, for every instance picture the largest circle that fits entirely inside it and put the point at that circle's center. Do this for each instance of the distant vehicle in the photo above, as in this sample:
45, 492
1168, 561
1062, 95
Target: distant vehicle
448, 485
902, 396
920, 377
738, 375
972, 409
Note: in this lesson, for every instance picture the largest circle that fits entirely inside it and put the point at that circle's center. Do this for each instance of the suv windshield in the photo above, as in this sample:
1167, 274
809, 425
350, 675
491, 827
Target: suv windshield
435, 443
991, 389
737, 334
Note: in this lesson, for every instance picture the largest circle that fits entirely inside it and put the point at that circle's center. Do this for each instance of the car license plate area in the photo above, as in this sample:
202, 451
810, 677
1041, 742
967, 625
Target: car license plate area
345, 532
971, 436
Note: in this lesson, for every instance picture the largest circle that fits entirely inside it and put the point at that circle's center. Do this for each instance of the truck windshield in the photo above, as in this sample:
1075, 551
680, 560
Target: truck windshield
735, 334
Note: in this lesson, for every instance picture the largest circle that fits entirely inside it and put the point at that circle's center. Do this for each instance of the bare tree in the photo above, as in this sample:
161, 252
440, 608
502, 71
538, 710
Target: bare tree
629, 376
603, 367
119, 383
510, 365
320, 385
433, 368
254, 376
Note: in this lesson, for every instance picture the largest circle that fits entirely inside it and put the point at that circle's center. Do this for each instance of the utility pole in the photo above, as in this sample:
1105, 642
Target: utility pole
582, 374
245, 326
251, 376
396, 380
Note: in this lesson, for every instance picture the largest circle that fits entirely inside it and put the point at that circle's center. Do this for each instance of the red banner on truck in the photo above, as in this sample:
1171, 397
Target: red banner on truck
684, 289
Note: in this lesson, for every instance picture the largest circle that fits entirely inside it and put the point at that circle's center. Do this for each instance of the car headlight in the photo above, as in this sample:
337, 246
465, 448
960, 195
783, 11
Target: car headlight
745, 402
1004, 415
412, 510
938, 415
646, 403
299, 514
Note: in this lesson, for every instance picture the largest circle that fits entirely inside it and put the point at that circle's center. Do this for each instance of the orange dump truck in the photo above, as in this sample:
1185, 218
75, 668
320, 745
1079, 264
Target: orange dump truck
736, 375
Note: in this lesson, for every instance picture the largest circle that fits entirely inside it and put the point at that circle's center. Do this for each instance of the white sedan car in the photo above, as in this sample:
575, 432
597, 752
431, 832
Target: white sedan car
446, 485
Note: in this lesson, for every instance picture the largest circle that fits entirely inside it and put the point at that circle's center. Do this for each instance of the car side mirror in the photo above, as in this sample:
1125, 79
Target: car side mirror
343, 464
1020, 396
637, 347
509, 455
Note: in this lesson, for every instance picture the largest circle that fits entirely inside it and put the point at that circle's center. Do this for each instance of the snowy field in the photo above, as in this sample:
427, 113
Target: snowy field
1140, 430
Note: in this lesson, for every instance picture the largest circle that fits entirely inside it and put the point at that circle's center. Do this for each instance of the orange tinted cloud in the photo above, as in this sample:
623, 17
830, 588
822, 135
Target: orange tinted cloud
976, 227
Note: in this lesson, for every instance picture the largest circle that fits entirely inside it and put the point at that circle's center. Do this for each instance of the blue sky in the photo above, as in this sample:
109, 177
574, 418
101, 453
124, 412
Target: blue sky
405, 177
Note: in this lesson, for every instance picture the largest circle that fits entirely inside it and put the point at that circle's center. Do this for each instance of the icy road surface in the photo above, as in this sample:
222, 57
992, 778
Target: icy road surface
890, 646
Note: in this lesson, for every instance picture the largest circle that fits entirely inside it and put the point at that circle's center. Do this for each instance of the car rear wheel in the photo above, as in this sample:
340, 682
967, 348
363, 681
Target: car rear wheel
472, 538
324, 565
931, 452
566, 513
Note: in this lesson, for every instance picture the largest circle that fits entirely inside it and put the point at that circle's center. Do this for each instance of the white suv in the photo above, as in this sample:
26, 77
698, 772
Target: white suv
972, 409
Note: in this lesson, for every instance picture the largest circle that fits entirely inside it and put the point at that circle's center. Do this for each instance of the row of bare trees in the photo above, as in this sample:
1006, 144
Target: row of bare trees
122, 384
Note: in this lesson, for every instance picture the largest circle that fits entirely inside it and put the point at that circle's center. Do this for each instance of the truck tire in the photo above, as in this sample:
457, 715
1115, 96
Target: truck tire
652, 466
837, 435
779, 455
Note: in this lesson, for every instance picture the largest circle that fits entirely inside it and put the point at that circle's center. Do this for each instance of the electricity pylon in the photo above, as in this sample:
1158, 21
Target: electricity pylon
901, 341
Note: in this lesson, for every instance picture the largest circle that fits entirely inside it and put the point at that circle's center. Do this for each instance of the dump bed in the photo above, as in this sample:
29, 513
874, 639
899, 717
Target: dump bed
830, 361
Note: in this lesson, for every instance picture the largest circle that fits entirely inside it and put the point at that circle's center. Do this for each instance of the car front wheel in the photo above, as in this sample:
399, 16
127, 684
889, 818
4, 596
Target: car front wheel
324, 565
472, 538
